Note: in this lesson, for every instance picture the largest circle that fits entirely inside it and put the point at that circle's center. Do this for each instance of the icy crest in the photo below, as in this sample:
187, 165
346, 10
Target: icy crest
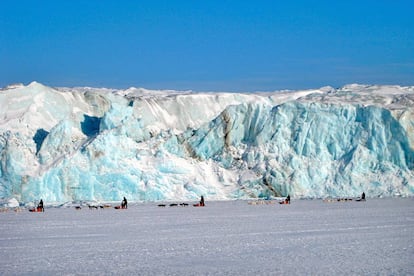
64, 144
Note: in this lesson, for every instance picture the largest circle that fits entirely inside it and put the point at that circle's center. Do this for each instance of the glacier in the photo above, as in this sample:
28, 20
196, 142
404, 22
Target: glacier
82, 143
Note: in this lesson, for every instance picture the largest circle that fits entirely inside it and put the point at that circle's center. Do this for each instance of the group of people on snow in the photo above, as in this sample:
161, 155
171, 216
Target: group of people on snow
124, 203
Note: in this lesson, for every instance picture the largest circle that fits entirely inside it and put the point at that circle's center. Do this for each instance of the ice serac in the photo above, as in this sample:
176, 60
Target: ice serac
64, 144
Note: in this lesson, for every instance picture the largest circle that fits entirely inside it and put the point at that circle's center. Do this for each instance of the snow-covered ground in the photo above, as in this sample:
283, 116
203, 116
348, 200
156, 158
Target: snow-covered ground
308, 237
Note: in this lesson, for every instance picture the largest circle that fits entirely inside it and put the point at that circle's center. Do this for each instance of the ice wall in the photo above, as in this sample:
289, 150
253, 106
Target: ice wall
64, 144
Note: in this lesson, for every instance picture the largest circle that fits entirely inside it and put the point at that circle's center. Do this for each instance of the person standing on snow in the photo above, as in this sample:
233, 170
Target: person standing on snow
40, 207
124, 204
202, 201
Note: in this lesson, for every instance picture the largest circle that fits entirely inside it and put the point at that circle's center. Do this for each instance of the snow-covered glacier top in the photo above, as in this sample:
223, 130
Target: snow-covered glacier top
84, 143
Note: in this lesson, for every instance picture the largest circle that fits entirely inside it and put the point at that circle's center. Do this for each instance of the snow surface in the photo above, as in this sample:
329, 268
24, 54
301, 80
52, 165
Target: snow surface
83, 143
308, 237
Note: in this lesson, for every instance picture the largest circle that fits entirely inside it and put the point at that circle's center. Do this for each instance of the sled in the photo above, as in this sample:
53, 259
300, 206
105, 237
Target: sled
198, 205
38, 209
119, 207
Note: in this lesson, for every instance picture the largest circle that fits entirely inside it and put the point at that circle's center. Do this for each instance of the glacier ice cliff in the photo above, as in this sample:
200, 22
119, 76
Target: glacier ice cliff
65, 144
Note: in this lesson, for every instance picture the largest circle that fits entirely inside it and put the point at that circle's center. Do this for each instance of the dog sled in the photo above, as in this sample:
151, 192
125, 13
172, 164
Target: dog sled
37, 209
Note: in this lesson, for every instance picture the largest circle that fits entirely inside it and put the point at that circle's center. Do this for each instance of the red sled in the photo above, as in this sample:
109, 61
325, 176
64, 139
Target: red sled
119, 207
198, 205
38, 209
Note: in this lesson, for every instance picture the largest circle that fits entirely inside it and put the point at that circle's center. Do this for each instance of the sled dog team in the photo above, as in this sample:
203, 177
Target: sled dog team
124, 203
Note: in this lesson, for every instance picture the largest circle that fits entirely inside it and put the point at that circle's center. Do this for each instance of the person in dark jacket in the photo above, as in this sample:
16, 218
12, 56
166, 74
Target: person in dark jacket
124, 204
40, 207
362, 197
202, 201
288, 199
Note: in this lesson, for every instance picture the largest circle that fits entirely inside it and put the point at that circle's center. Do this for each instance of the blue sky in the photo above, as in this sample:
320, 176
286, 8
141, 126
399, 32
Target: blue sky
207, 45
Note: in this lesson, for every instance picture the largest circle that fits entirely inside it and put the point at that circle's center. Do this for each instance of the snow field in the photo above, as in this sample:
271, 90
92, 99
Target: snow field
308, 237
